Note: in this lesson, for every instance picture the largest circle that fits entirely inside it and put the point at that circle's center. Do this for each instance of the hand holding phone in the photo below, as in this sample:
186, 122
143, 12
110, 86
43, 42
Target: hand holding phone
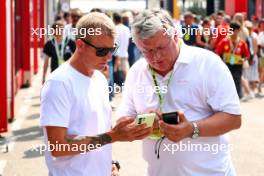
170, 118
148, 119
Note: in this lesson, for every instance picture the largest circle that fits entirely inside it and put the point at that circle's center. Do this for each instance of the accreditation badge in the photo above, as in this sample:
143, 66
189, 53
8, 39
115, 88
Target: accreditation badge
156, 135
232, 59
61, 61
187, 37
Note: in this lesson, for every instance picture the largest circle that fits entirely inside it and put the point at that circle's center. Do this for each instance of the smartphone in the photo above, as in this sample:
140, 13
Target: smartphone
170, 118
146, 118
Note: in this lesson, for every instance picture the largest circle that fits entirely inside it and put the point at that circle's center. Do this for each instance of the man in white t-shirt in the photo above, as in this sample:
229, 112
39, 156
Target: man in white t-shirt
190, 80
75, 111
70, 29
122, 39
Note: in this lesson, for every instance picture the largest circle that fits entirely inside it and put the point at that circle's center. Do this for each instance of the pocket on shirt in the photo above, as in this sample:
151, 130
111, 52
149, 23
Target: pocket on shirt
187, 94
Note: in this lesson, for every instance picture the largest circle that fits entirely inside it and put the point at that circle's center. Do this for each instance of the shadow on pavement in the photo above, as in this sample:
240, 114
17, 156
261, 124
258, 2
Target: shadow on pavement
36, 105
28, 134
35, 97
33, 116
34, 152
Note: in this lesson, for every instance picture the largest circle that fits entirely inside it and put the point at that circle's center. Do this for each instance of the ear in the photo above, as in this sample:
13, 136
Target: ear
175, 35
79, 43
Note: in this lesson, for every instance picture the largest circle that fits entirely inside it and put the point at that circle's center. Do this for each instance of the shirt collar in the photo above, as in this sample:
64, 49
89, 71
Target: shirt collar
185, 55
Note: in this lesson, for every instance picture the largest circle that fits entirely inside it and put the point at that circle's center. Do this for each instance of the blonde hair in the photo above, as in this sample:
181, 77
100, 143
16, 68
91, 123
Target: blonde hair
239, 17
99, 22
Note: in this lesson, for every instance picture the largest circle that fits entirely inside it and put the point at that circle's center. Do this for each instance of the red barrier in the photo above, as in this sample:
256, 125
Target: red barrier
3, 69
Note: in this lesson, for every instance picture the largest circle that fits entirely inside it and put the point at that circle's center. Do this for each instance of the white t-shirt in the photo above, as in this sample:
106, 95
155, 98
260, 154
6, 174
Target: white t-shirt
70, 32
81, 104
201, 85
261, 38
122, 39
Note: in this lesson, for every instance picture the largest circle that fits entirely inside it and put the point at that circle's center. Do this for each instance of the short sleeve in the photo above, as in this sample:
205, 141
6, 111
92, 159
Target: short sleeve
47, 50
219, 48
127, 107
55, 104
260, 38
221, 91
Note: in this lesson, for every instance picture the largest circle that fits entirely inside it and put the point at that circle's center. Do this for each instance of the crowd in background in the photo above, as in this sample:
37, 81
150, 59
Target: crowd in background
241, 47
212, 33
237, 40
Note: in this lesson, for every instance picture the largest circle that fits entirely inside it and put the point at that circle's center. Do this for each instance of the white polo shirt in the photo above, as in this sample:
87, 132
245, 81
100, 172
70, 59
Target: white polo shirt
79, 103
201, 85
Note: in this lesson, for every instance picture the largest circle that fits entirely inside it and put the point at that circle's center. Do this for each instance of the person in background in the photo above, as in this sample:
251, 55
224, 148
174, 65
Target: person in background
123, 36
67, 18
97, 10
240, 18
234, 51
126, 17
261, 57
222, 29
204, 38
243, 35
251, 73
70, 29
189, 29
115, 168
219, 16
255, 22
58, 17
57, 50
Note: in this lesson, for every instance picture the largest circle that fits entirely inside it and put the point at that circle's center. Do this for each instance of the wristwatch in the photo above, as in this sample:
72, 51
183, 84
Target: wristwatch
196, 131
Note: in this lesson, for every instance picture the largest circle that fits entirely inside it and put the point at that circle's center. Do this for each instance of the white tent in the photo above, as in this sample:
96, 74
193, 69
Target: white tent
86, 6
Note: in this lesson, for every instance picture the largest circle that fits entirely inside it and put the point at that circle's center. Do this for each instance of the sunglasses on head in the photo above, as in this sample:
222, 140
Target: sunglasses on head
101, 52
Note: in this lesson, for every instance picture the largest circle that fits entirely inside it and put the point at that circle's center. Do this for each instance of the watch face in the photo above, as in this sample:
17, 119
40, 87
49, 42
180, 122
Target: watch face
195, 135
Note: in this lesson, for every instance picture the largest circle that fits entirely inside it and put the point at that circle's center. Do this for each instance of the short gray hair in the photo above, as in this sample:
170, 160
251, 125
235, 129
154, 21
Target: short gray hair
96, 20
149, 22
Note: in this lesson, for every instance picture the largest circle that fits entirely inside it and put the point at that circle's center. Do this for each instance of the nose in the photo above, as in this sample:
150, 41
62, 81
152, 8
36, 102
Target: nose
156, 55
108, 57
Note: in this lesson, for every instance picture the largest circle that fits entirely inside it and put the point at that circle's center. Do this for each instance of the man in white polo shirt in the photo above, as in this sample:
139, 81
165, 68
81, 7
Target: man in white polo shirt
75, 111
198, 85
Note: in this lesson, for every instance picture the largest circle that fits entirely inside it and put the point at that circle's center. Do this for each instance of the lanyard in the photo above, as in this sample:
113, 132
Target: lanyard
233, 48
59, 52
156, 83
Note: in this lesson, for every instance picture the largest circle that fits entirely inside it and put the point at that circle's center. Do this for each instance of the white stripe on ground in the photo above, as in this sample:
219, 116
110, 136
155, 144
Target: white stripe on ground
2, 166
21, 113
16, 125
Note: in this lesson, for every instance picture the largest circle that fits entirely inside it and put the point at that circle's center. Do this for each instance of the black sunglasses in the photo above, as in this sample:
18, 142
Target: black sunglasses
76, 16
101, 52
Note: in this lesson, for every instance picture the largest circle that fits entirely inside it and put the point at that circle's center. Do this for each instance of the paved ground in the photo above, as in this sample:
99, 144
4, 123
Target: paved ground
24, 134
